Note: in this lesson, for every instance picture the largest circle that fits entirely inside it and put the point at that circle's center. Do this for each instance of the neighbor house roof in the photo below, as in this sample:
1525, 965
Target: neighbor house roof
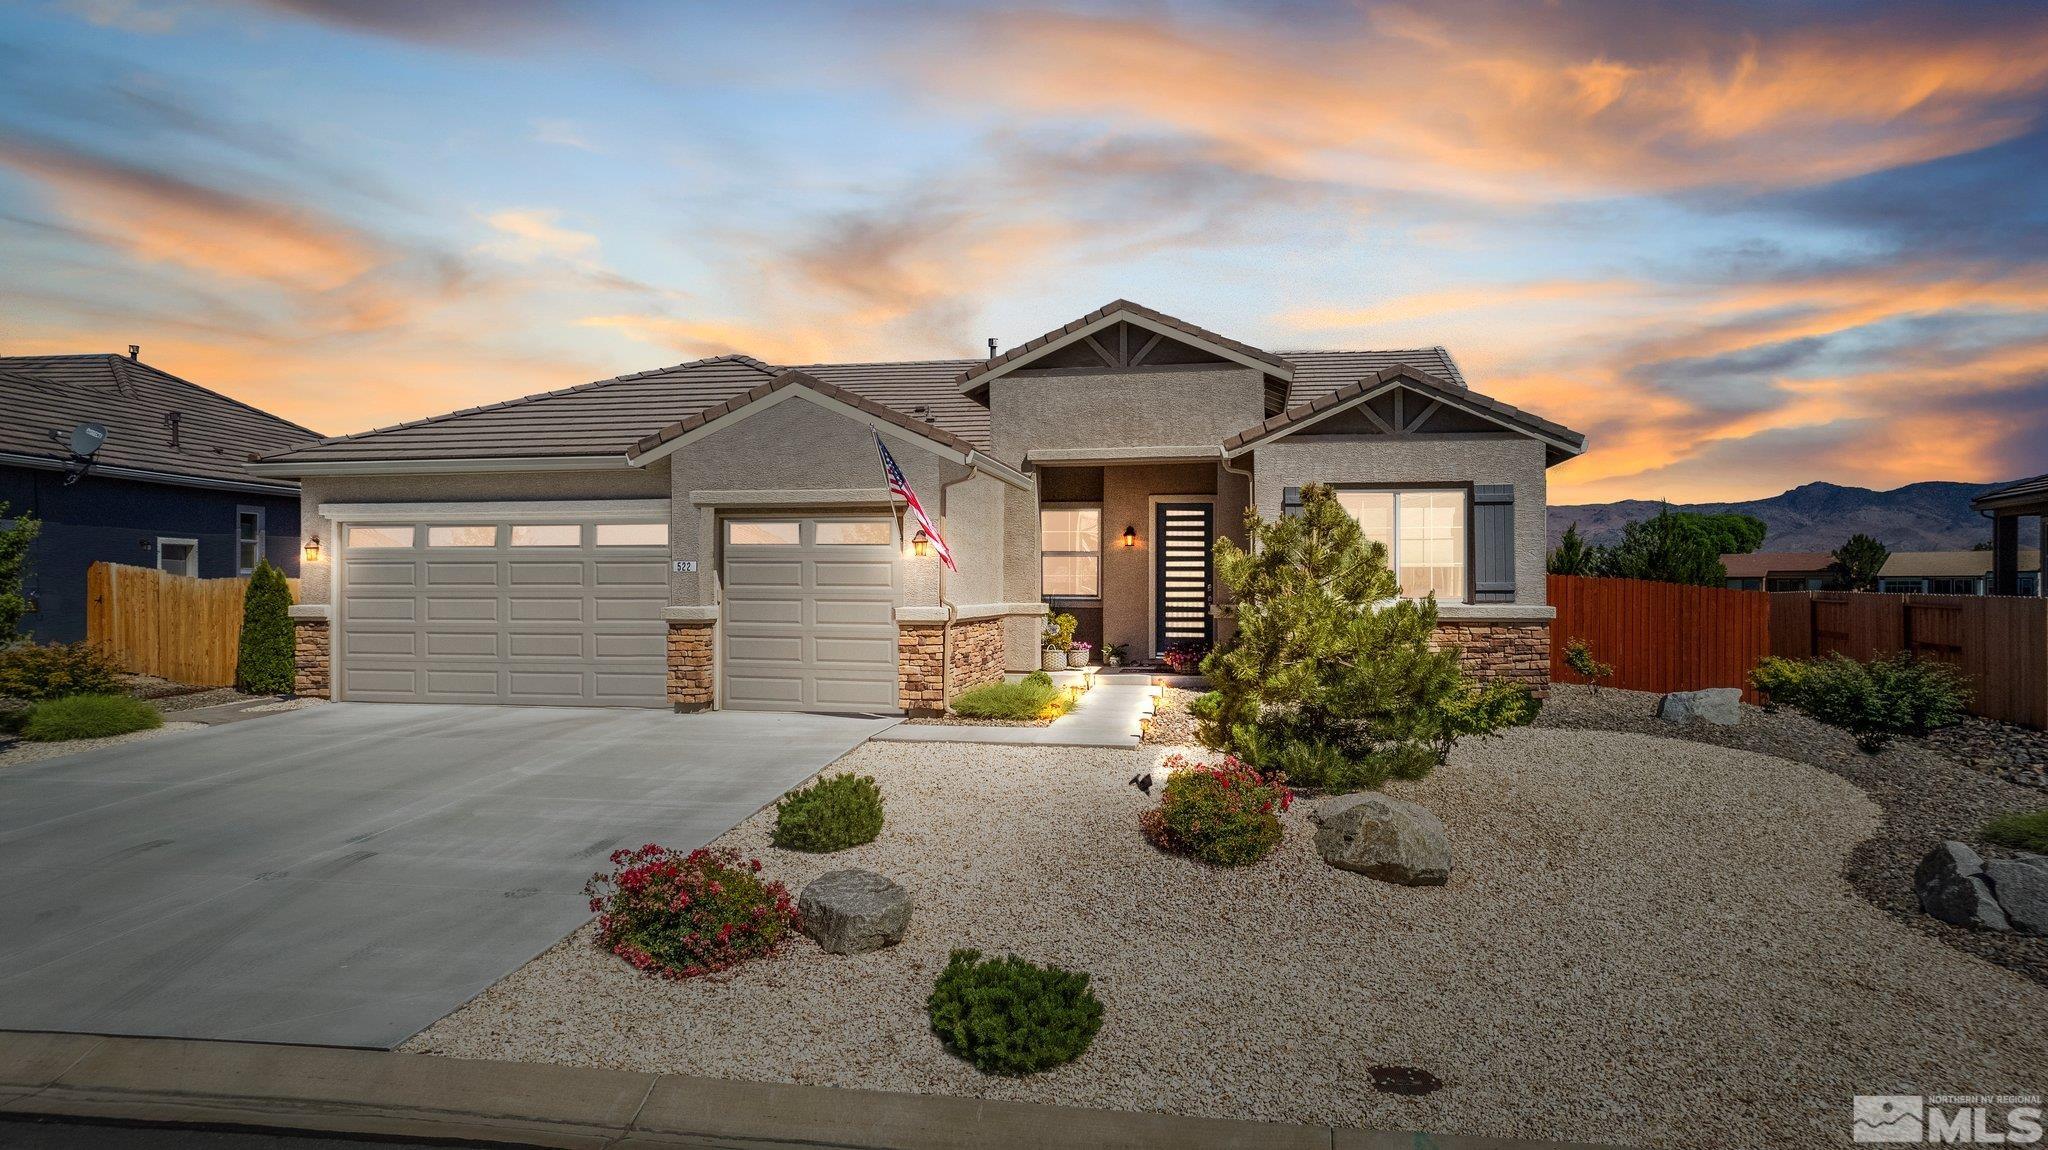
1757, 564
1949, 564
133, 401
1418, 380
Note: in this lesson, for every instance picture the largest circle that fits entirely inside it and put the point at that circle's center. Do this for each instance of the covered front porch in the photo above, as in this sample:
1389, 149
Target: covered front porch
2006, 506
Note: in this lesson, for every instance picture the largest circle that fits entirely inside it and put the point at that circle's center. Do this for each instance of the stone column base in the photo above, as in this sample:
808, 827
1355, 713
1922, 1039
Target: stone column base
920, 658
1517, 652
312, 659
692, 653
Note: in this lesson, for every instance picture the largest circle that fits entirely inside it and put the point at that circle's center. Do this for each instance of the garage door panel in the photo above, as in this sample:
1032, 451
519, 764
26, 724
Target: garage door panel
810, 626
744, 690
787, 649
857, 613
761, 574
880, 573
577, 626
856, 693
863, 652
744, 610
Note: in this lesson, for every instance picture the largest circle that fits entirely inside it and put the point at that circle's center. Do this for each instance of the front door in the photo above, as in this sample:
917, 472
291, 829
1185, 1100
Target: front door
1182, 576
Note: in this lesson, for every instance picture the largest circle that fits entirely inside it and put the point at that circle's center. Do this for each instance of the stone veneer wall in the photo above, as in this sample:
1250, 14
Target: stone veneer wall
920, 654
1516, 651
691, 673
312, 674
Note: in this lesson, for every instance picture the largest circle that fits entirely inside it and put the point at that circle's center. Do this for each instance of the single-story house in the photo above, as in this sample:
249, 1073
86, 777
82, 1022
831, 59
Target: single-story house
2006, 506
162, 480
719, 533
1782, 571
1953, 572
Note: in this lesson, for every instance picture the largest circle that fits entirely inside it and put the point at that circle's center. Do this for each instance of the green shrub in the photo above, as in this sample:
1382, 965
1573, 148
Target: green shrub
1578, 655
264, 662
1874, 701
37, 671
2027, 832
1009, 1016
1327, 655
1226, 814
681, 915
88, 717
1039, 676
1030, 699
829, 815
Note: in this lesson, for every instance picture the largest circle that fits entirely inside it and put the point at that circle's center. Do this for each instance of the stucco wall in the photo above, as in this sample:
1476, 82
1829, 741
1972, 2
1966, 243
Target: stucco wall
1301, 460
622, 483
1121, 410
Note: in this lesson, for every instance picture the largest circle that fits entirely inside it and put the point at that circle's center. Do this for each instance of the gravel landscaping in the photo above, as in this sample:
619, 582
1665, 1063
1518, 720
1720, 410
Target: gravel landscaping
1171, 724
1644, 941
1925, 796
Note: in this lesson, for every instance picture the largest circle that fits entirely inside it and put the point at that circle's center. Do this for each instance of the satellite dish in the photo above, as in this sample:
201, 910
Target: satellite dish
86, 439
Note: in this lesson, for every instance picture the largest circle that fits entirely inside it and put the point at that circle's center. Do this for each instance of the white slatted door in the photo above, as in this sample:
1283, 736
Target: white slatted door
1182, 576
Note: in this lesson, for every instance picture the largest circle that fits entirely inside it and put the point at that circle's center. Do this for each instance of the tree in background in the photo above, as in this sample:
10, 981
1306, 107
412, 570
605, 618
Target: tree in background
1731, 533
1573, 556
264, 665
1669, 547
1859, 561
15, 540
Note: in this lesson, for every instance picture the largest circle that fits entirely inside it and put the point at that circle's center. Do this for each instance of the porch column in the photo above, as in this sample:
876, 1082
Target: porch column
2005, 553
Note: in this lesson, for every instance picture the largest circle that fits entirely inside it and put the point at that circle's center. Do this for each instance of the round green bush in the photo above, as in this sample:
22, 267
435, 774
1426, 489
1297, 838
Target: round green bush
1009, 1016
2027, 832
829, 815
38, 671
88, 717
1226, 814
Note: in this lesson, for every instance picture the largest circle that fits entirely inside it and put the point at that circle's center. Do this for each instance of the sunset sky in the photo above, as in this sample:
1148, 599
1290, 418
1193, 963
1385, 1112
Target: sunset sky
1741, 247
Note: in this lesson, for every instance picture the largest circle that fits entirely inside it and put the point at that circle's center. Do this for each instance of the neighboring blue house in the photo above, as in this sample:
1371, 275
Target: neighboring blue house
165, 488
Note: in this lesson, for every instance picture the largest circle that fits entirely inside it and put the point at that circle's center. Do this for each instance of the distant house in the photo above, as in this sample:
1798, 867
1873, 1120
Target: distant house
1953, 572
166, 486
1782, 571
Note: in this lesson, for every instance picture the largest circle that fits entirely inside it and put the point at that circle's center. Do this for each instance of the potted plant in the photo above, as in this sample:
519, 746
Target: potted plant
1113, 654
1077, 655
1059, 636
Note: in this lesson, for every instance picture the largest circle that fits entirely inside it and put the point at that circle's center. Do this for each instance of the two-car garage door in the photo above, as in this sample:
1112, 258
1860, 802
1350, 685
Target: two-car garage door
562, 613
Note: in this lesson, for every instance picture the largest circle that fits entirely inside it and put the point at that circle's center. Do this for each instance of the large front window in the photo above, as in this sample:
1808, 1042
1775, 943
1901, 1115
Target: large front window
1424, 533
1070, 552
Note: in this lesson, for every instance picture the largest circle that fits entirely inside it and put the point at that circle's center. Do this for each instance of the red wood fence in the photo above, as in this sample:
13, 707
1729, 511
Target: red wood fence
2000, 643
1660, 636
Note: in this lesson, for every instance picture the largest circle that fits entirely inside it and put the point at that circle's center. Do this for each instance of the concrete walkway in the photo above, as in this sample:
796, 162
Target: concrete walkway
348, 873
416, 1096
1112, 714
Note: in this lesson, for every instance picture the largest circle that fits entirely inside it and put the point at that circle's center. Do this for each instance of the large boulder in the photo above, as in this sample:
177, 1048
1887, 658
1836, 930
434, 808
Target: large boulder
1951, 885
1385, 837
850, 911
1721, 706
2021, 887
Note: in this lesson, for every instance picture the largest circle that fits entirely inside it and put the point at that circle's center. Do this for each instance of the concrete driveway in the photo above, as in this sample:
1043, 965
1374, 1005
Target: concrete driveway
346, 874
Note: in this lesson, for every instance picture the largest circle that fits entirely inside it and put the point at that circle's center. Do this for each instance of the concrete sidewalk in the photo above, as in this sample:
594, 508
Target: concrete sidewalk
328, 1091
1111, 714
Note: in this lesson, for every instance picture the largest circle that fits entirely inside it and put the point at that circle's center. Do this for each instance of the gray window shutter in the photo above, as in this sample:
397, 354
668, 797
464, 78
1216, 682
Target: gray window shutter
1493, 543
1290, 501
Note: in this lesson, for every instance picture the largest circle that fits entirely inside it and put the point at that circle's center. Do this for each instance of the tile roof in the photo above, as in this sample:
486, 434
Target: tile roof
789, 379
983, 367
1318, 373
1412, 376
45, 393
1950, 564
2021, 492
1757, 564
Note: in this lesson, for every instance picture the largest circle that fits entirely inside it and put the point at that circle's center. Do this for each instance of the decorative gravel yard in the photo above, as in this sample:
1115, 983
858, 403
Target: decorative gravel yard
1645, 941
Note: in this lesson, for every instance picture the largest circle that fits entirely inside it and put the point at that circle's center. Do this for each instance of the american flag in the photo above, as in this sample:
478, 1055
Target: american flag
901, 486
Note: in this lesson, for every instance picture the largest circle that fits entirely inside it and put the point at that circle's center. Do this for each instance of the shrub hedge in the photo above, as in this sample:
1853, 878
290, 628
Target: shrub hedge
1033, 698
681, 915
1874, 701
88, 717
37, 671
829, 815
1009, 1016
1226, 814
264, 662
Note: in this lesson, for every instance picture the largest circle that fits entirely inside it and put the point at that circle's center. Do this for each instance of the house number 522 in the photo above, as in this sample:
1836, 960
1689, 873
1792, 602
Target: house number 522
686, 566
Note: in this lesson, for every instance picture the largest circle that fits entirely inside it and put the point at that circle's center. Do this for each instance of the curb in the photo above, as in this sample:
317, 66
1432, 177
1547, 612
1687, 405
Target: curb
329, 1090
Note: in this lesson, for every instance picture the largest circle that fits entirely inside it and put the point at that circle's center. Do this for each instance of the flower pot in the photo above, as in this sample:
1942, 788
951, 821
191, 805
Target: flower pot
1053, 659
1078, 657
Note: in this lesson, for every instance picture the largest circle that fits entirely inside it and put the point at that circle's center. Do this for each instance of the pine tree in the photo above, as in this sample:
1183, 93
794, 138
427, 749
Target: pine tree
264, 666
1859, 560
1573, 556
1331, 677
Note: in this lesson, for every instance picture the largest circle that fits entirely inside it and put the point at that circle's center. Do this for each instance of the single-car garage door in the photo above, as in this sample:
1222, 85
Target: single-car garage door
810, 614
563, 614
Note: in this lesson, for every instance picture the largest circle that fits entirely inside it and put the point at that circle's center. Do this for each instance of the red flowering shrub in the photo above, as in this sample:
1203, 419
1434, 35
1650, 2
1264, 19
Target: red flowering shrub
681, 915
1184, 656
1225, 814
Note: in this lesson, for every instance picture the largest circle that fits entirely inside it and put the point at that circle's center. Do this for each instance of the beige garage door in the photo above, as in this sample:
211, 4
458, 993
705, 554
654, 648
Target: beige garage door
810, 614
558, 614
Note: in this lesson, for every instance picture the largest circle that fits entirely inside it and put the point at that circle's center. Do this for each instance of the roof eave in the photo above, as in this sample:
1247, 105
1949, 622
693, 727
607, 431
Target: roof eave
437, 466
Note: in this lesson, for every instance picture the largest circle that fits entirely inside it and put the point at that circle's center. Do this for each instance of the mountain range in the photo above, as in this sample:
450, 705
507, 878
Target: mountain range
1933, 516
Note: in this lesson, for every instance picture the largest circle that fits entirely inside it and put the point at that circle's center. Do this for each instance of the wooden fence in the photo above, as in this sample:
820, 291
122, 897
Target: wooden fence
173, 626
1660, 636
1999, 642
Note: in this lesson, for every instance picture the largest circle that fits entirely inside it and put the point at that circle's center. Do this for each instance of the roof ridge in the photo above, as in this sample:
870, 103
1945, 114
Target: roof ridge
749, 360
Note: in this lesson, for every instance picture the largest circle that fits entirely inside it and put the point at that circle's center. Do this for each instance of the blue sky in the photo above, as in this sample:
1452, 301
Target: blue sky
1741, 246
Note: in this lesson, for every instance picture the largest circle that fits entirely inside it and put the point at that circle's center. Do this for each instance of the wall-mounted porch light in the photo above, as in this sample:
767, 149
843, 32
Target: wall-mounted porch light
312, 551
921, 544
1130, 537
